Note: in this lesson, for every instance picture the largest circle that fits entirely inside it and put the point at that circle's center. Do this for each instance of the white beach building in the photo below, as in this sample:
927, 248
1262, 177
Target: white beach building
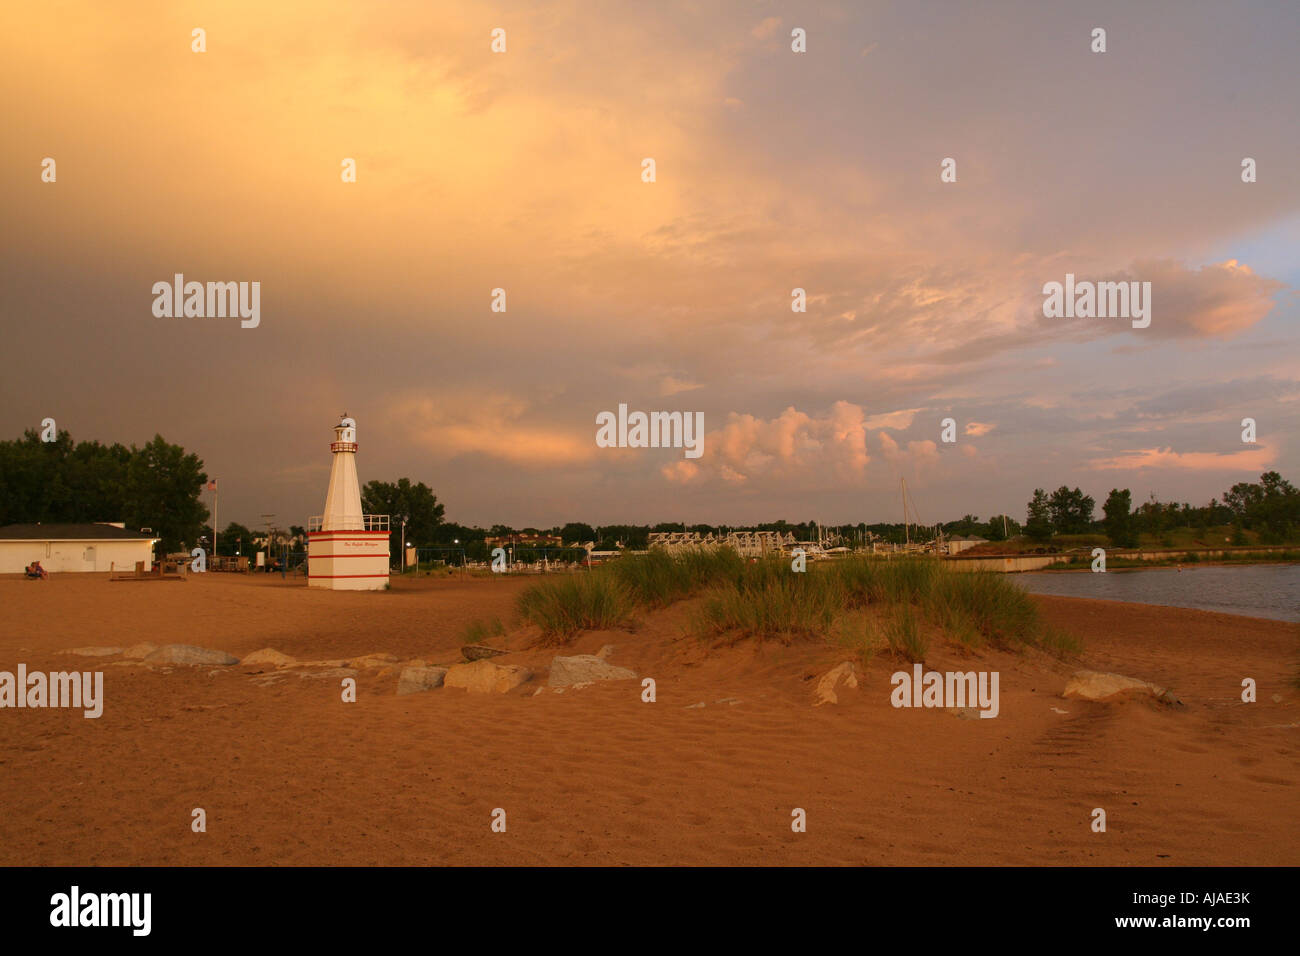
102, 546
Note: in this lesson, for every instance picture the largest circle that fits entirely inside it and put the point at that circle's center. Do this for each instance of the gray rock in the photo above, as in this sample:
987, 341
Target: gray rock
413, 680
189, 654
94, 651
480, 652
585, 669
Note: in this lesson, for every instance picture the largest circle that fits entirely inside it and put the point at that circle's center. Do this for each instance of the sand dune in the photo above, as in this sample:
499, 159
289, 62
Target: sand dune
289, 774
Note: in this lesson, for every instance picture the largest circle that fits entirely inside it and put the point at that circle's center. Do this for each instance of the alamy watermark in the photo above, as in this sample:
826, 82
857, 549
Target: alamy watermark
651, 430
55, 689
75, 908
213, 300
952, 689
1099, 300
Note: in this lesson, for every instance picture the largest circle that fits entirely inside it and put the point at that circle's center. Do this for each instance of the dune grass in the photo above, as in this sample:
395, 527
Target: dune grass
658, 579
767, 599
904, 638
566, 604
609, 595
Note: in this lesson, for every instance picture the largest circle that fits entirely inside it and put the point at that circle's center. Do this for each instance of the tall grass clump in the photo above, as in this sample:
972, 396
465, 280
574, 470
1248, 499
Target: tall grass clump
984, 606
564, 605
872, 580
657, 579
766, 599
904, 637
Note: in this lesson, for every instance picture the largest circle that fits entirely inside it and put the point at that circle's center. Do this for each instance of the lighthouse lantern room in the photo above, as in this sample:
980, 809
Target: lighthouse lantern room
346, 550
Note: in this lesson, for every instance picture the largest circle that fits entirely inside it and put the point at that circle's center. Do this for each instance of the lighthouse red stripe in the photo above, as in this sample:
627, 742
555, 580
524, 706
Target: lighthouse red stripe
327, 576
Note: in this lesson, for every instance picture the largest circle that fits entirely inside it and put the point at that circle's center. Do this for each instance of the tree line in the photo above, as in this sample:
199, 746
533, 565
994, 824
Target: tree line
1269, 507
156, 486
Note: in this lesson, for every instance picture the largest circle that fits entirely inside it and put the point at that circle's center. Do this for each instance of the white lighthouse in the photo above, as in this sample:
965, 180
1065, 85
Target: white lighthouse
346, 550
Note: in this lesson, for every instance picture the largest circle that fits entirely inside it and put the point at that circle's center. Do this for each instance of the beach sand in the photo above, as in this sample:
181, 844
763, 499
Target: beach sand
289, 774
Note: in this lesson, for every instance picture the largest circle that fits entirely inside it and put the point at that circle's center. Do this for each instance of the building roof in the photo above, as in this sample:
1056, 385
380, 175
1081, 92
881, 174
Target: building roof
70, 532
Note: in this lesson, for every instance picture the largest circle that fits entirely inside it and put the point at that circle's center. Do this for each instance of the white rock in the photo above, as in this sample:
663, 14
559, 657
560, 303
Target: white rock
94, 651
844, 674
1094, 685
585, 669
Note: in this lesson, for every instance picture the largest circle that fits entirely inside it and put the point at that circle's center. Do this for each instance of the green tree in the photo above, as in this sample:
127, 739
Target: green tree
1001, 527
236, 538
1038, 520
1271, 507
163, 484
1070, 511
1119, 519
577, 533
156, 486
416, 503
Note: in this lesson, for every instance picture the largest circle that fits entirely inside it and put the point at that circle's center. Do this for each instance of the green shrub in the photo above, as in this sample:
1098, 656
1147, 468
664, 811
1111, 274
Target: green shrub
564, 605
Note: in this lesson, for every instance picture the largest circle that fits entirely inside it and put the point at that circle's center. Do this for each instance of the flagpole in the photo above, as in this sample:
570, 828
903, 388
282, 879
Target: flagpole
214, 518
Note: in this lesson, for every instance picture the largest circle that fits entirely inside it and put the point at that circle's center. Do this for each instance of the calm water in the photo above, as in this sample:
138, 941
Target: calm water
1257, 590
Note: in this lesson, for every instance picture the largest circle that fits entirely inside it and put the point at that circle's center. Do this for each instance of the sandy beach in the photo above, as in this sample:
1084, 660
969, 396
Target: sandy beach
289, 774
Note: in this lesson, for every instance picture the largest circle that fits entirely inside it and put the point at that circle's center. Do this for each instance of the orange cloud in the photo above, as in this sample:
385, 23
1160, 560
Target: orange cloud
450, 425
1251, 459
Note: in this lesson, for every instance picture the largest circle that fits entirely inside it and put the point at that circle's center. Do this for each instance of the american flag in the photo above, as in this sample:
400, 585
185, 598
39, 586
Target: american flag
212, 485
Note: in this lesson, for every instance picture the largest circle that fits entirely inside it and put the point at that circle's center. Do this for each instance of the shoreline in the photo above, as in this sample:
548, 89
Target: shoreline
1159, 566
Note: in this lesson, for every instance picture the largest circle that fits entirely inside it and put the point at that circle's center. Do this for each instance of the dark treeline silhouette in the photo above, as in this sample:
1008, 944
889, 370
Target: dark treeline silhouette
1270, 508
155, 487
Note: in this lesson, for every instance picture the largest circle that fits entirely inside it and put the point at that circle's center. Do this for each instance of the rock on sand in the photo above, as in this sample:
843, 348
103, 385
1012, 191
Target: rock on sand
370, 661
93, 651
268, 656
844, 674
485, 677
189, 654
1095, 685
584, 669
480, 652
415, 679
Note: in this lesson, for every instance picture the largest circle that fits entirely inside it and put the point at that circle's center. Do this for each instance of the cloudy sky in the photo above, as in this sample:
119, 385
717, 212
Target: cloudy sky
775, 170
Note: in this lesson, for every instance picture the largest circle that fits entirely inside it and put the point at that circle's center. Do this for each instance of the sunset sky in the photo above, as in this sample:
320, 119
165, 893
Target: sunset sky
775, 170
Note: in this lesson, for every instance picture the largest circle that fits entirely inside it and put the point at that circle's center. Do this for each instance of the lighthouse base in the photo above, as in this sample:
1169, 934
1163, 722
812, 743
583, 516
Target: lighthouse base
347, 560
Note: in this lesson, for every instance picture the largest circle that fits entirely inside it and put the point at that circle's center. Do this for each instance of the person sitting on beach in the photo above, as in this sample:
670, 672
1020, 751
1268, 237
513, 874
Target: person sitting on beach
34, 570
